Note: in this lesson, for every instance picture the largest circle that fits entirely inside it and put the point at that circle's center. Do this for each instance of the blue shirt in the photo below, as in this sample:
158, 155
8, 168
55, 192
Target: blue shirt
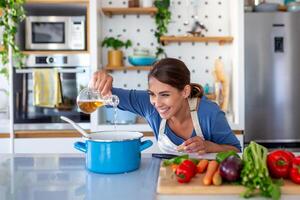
212, 119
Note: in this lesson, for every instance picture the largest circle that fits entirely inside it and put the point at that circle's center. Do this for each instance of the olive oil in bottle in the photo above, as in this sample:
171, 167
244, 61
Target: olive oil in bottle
89, 100
89, 106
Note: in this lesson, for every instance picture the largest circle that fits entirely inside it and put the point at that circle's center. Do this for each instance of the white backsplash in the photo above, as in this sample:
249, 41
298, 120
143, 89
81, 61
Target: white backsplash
221, 18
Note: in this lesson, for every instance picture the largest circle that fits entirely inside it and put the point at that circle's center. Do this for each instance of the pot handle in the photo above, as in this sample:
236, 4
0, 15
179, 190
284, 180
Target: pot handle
145, 144
80, 146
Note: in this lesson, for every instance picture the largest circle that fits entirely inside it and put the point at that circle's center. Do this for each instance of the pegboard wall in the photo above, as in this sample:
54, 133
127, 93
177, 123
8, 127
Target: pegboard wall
199, 57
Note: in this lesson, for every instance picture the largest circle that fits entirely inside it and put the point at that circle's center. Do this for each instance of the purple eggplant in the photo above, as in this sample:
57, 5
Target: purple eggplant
230, 168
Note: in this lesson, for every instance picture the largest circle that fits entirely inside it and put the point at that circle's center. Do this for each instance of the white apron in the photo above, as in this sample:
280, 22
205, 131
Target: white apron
164, 143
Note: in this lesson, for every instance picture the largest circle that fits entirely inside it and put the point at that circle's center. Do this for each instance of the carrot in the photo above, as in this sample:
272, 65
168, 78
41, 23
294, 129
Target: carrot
211, 169
174, 167
217, 179
202, 165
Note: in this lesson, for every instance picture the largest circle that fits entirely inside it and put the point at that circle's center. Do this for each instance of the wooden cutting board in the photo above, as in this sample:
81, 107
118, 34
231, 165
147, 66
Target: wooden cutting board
167, 184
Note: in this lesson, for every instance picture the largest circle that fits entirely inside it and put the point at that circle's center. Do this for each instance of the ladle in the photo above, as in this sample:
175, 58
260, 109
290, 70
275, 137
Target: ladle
77, 127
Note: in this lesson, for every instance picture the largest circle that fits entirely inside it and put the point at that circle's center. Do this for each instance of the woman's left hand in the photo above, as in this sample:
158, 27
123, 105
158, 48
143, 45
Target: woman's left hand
195, 145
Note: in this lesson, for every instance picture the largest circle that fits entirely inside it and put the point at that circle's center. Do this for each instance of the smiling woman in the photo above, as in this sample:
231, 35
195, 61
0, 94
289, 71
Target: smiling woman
180, 116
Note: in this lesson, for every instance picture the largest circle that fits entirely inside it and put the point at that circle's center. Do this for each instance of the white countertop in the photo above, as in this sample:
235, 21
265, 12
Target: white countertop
64, 177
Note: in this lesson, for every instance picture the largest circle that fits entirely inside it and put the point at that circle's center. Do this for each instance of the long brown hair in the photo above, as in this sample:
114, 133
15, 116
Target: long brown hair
175, 73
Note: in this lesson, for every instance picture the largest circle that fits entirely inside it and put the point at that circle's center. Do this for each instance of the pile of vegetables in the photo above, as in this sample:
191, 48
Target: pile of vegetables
259, 171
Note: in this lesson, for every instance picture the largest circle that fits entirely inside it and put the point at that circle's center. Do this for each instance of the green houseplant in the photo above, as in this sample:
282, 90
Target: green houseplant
12, 14
115, 55
162, 20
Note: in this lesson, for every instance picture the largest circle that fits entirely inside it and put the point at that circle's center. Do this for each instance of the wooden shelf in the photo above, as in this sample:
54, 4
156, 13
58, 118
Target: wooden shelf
1, 47
55, 52
57, 1
129, 11
220, 40
145, 68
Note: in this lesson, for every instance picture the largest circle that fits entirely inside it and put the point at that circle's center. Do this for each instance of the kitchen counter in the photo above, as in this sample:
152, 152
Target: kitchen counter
64, 177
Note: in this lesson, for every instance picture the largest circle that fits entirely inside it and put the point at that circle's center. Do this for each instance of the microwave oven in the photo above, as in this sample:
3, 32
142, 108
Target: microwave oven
55, 33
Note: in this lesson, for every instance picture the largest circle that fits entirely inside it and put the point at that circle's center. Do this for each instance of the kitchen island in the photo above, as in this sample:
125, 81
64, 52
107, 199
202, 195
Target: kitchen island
64, 177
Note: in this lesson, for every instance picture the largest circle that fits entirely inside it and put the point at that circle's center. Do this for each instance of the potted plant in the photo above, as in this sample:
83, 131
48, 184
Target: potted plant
162, 20
12, 14
115, 55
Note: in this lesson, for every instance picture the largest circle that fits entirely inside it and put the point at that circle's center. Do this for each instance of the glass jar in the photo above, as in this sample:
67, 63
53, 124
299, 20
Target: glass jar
88, 100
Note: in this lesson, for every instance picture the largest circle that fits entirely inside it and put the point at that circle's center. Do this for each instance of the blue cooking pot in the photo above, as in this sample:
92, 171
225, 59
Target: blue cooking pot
113, 152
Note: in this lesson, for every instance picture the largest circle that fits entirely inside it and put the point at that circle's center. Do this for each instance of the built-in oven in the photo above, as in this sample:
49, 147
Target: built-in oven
73, 72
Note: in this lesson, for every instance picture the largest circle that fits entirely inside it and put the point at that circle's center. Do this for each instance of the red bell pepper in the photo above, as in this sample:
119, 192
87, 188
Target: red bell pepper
184, 174
279, 163
291, 154
190, 164
295, 171
185, 171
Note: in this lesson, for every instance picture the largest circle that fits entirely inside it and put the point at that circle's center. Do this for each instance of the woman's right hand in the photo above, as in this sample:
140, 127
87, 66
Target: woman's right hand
102, 82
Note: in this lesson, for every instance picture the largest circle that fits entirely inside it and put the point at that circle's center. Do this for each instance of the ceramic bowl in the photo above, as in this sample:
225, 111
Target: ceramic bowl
141, 60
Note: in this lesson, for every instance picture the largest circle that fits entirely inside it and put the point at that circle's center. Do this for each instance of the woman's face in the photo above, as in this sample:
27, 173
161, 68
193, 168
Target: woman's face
166, 99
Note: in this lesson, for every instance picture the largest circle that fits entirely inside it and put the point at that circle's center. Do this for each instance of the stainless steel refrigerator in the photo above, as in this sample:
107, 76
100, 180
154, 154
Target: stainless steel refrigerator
272, 78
